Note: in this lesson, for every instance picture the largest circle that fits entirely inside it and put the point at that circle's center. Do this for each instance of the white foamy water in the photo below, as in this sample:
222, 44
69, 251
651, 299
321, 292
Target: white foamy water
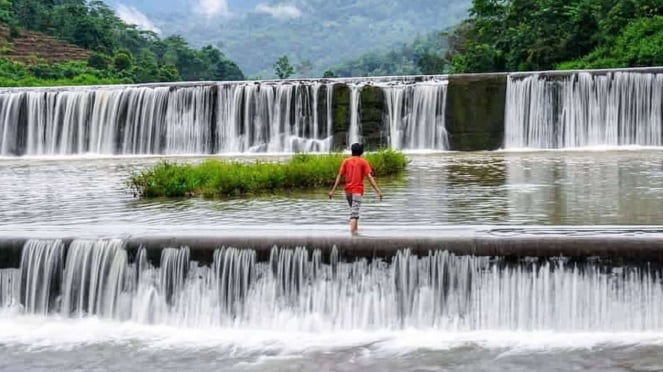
407, 105
584, 110
212, 118
67, 334
302, 291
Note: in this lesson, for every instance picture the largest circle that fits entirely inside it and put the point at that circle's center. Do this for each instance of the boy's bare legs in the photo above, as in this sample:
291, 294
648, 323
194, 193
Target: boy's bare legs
354, 222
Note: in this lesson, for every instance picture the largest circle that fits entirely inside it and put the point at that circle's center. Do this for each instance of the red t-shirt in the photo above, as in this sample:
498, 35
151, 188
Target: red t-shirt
354, 169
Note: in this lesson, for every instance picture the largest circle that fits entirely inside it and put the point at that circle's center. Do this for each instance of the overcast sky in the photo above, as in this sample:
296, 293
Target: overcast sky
138, 12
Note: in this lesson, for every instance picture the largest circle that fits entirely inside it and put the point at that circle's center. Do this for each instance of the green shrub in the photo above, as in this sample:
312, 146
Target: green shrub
122, 60
99, 61
228, 179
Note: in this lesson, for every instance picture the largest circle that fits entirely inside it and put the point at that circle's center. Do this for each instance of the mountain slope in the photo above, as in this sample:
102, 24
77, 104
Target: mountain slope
326, 32
32, 47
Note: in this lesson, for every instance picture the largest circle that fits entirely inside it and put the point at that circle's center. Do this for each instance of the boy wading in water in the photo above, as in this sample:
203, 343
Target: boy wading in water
355, 168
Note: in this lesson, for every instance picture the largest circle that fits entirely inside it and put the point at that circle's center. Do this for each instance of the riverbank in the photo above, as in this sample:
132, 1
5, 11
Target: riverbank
219, 178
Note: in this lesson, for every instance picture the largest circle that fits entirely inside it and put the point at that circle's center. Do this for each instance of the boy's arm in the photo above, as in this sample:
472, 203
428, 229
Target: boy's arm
375, 185
333, 190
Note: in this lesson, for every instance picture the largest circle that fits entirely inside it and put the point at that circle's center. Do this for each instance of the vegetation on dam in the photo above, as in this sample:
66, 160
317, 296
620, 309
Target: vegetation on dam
220, 178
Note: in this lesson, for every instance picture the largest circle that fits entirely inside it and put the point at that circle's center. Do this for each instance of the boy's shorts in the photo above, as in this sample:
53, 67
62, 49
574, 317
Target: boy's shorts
354, 200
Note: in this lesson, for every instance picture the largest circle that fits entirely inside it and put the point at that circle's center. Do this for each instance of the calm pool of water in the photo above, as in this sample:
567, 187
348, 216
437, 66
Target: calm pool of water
539, 188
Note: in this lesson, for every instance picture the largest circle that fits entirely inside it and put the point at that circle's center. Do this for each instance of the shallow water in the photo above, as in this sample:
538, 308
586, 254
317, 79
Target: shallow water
530, 188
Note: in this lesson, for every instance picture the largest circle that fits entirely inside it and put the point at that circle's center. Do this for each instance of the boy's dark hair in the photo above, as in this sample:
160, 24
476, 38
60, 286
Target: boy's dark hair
357, 149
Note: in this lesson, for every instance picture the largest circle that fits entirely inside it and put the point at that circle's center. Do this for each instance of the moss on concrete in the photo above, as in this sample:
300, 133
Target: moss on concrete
372, 113
341, 115
475, 111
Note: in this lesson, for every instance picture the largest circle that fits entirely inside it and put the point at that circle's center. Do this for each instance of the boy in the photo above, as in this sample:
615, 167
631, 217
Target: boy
354, 169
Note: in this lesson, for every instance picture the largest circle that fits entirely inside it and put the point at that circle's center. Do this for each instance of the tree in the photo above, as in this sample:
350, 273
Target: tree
168, 72
282, 68
122, 60
228, 71
146, 68
98, 61
6, 12
329, 74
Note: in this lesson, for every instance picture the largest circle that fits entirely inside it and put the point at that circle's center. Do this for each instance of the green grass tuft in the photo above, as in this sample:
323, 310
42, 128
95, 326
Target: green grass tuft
218, 178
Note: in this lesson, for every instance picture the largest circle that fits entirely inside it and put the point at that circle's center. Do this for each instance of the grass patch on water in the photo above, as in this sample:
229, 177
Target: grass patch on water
219, 178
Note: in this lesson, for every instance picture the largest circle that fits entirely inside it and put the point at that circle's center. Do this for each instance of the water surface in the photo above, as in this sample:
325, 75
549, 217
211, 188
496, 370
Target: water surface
523, 188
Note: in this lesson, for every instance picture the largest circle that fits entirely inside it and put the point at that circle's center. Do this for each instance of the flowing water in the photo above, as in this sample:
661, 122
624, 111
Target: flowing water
583, 109
212, 118
299, 311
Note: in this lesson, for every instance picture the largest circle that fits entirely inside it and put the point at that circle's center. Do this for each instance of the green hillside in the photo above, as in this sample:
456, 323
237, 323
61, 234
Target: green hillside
49, 42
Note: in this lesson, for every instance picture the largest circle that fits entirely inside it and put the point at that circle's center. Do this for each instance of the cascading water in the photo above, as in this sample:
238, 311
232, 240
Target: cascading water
583, 109
244, 117
10, 105
93, 278
271, 117
296, 290
41, 271
122, 120
354, 132
415, 115
233, 117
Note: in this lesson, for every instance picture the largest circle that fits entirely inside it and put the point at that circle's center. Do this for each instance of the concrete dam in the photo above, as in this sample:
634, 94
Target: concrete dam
523, 239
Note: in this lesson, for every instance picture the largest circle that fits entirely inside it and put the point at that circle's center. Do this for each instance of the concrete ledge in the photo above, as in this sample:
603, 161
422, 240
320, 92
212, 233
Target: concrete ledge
617, 248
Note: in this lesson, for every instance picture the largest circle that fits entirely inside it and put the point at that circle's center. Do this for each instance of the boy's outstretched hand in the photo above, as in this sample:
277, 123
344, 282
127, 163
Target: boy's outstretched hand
331, 195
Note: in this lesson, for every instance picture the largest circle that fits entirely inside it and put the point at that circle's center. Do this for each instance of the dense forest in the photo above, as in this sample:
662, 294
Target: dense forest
520, 35
528, 35
118, 52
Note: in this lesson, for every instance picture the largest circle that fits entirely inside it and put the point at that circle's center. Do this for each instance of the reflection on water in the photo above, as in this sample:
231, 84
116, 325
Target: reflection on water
624, 187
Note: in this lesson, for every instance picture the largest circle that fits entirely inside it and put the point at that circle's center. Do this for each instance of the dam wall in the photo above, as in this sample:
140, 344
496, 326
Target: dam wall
472, 112
615, 245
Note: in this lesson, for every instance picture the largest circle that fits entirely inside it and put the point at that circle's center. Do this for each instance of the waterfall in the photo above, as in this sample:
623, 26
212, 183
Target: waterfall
354, 132
188, 119
113, 120
224, 118
41, 271
415, 115
270, 117
93, 277
583, 109
330, 94
10, 105
300, 290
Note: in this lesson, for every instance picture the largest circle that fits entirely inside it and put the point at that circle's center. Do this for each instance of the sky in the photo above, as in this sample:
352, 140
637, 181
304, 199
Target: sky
139, 12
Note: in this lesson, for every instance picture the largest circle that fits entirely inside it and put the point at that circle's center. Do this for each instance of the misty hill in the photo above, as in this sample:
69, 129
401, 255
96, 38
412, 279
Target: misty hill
326, 32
